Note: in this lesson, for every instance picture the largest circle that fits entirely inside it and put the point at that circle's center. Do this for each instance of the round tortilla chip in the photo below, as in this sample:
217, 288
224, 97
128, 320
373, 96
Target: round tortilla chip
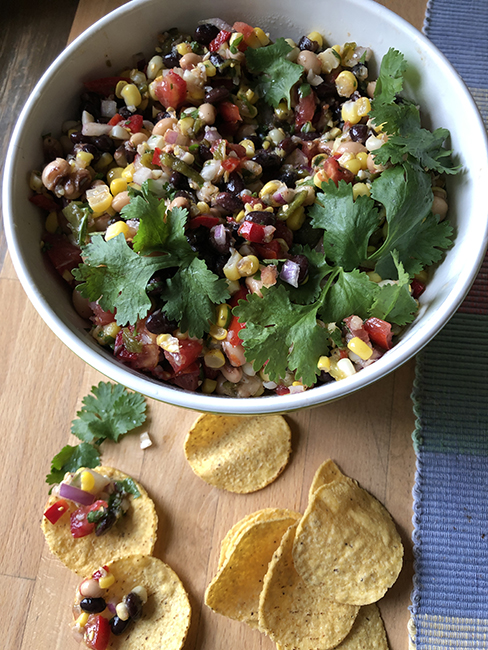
347, 543
235, 590
134, 533
165, 616
295, 614
367, 632
238, 454
266, 514
325, 474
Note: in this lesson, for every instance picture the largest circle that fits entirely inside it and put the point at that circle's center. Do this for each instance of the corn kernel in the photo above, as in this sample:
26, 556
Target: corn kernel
87, 481
168, 342
210, 69
346, 83
296, 220
181, 336
52, 222
363, 106
218, 333
203, 207
183, 48
270, 188
324, 364
315, 36
362, 156
329, 60
118, 185
359, 347
320, 177
249, 147
111, 329
99, 198
128, 173
230, 269
239, 217
353, 165
131, 95
107, 581
247, 266
374, 277
83, 159
119, 87
261, 36
214, 359
82, 619
360, 189
115, 229
113, 173
282, 111
209, 386
154, 67
349, 112
222, 315
341, 369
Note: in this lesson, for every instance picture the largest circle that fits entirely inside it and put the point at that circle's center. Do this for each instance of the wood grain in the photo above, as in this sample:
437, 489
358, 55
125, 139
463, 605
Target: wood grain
41, 387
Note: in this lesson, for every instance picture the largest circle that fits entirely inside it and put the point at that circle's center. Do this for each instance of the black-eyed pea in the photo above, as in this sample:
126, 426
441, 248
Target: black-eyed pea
309, 61
179, 202
120, 200
138, 138
439, 206
163, 125
207, 113
189, 61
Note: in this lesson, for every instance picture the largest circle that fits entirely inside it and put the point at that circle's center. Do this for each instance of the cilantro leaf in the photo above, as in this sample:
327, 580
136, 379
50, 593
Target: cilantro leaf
394, 302
116, 276
129, 486
390, 79
352, 293
71, 458
191, 295
348, 223
282, 334
108, 414
318, 269
278, 74
413, 231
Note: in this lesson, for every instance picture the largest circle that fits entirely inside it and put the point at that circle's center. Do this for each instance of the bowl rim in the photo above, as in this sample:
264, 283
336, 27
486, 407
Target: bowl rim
212, 403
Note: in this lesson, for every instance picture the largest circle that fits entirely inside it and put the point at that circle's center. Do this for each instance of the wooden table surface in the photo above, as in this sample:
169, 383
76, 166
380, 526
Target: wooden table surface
43, 383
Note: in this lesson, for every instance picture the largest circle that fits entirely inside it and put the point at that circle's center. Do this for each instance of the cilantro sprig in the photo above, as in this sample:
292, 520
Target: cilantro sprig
110, 412
116, 275
400, 119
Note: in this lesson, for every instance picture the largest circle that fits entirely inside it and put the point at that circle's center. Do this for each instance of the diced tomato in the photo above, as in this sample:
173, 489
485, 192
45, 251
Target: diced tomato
417, 287
239, 295
115, 119
243, 28
134, 123
255, 232
356, 327
100, 573
229, 112
231, 164
171, 90
145, 358
379, 332
189, 351
79, 524
156, 159
64, 255
336, 173
101, 317
252, 200
238, 149
44, 202
282, 390
305, 110
233, 331
219, 40
206, 220
56, 511
105, 85
97, 632
270, 251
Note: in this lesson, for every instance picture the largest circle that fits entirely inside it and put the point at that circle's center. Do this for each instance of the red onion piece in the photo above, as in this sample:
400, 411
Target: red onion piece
279, 198
218, 22
220, 234
75, 494
173, 137
290, 272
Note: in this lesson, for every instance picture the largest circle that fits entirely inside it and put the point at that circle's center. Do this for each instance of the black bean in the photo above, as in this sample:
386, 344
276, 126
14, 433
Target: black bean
78, 138
267, 159
179, 181
224, 240
133, 603
289, 177
306, 43
118, 626
204, 152
216, 59
90, 148
236, 183
159, 323
105, 524
186, 194
228, 201
93, 605
326, 90
130, 152
261, 217
205, 33
302, 262
256, 140
125, 112
103, 143
359, 133
288, 145
216, 95
90, 102
172, 59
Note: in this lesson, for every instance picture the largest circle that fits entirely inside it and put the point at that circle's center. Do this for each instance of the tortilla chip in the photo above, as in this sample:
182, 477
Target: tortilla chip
134, 533
238, 454
367, 633
347, 544
325, 474
297, 615
166, 614
234, 591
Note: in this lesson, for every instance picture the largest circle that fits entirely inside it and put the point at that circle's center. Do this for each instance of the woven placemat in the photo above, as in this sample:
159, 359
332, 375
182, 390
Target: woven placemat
450, 598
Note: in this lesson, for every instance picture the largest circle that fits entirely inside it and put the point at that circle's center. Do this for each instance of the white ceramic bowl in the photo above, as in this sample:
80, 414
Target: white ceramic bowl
431, 80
